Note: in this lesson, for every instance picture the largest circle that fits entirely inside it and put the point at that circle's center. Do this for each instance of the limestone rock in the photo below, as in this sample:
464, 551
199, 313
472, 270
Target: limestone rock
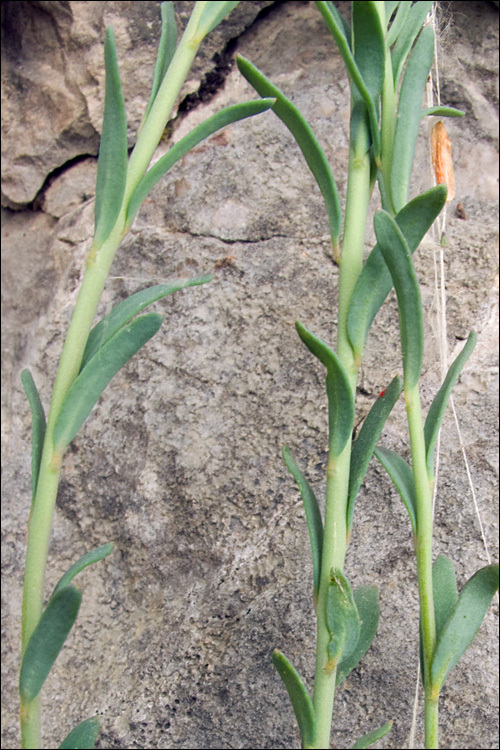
180, 462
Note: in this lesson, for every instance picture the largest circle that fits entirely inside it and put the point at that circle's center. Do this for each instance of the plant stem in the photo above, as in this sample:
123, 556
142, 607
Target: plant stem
40, 521
431, 721
337, 481
424, 555
334, 550
152, 129
97, 268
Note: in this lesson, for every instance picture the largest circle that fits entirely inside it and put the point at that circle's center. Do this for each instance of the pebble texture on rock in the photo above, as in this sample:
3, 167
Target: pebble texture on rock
180, 462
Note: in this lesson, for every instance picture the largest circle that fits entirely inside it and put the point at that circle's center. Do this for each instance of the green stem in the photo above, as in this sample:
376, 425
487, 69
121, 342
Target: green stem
152, 129
97, 268
431, 722
333, 555
40, 521
424, 554
337, 481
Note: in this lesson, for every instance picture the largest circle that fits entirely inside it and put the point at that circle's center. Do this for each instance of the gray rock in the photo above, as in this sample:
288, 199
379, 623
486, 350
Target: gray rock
180, 462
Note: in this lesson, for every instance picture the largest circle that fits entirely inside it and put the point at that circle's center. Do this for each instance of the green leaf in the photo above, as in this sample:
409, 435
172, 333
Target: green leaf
463, 624
37, 426
376, 734
342, 620
398, 258
398, 23
364, 445
212, 15
166, 50
112, 162
402, 476
408, 119
313, 516
299, 697
442, 112
47, 640
445, 592
120, 315
390, 7
83, 736
93, 379
336, 28
220, 120
95, 555
367, 602
375, 281
340, 400
342, 23
369, 46
306, 140
410, 29
438, 407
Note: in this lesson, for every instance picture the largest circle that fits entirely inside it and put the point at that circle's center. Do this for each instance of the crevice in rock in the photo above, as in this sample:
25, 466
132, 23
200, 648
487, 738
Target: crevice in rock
215, 79
212, 82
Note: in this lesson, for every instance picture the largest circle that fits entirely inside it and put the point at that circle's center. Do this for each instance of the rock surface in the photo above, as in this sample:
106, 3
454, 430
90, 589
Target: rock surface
180, 462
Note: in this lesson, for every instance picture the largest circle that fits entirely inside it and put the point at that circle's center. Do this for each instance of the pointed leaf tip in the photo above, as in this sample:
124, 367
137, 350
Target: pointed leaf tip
313, 516
340, 398
299, 698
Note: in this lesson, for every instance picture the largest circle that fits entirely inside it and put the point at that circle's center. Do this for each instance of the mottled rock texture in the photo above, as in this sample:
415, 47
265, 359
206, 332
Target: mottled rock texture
180, 462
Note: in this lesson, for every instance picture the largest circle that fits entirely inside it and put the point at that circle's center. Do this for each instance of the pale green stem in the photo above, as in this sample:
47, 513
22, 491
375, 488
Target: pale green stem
334, 550
431, 722
424, 555
98, 264
152, 130
337, 483
40, 521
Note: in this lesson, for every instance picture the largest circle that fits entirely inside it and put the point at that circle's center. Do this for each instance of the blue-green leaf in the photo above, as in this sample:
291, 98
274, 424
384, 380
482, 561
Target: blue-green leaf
367, 602
402, 476
364, 445
463, 624
112, 162
83, 736
367, 740
120, 315
398, 23
313, 516
212, 15
375, 281
342, 23
444, 590
408, 33
342, 620
408, 119
390, 7
398, 258
336, 28
299, 697
369, 46
442, 112
440, 402
340, 399
95, 555
93, 379
166, 49
306, 140
47, 640
37, 426
220, 120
